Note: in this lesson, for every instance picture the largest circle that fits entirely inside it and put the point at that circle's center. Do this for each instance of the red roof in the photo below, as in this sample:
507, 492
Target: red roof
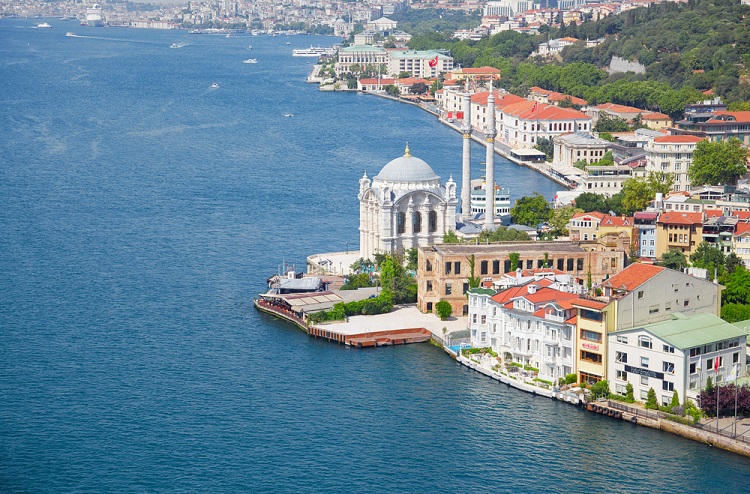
617, 221
741, 229
619, 108
680, 218
500, 98
633, 276
516, 291
743, 215
532, 110
596, 214
655, 116
480, 70
589, 304
679, 139
374, 80
740, 116
713, 213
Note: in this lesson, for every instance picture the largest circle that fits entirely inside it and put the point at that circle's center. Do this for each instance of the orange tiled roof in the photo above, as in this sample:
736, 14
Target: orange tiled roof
633, 276
679, 139
589, 304
481, 98
740, 116
525, 111
655, 116
680, 218
741, 229
546, 294
713, 213
515, 291
595, 214
479, 70
743, 215
619, 108
617, 221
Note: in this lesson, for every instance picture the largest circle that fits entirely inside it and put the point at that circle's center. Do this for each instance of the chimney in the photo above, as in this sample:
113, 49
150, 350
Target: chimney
531, 289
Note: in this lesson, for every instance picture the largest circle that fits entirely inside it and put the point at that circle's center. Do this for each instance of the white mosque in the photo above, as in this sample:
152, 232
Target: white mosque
404, 206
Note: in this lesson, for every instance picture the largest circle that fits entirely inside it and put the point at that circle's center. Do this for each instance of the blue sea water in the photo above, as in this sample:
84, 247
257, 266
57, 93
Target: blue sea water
141, 210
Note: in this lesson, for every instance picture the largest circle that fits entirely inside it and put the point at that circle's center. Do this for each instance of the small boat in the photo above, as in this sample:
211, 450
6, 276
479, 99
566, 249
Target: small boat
288, 114
229, 35
250, 60
43, 25
70, 35
249, 47
174, 45
215, 86
288, 43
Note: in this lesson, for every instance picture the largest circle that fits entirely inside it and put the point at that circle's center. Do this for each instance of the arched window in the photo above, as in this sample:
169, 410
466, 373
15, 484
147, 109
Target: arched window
433, 221
401, 223
417, 222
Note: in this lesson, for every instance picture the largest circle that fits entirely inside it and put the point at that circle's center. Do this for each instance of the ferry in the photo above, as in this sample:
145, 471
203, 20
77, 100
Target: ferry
43, 25
250, 60
479, 199
314, 51
94, 16
174, 45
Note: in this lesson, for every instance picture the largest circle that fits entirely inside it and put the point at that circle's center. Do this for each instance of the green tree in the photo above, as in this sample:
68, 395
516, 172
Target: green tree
718, 163
709, 257
735, 312
531, 210
675, 400
391, 90
355, 281
450, 237
547, 146
412, 257
515, 260
443, 310
561, 217
435, 86
418, 88
651, 402
503, 234
629, 398
674, 259
737, 285
589, 202
639, 191
600, 389
472, 278
732, 262
608, 123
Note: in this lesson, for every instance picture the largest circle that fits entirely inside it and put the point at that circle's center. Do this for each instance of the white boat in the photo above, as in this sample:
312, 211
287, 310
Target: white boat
314, 51
71, 35
288, 43
249, 47
43, 25
94, 16
215, 85
250, 60
174, 45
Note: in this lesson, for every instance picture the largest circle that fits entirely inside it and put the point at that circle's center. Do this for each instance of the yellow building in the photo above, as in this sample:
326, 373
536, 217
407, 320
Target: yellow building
591, 340
678, 231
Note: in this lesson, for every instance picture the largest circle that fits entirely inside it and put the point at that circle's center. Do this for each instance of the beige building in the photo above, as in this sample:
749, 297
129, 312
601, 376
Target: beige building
444, 269
579, 146
361, 55
418, 63
678, 231
591, 340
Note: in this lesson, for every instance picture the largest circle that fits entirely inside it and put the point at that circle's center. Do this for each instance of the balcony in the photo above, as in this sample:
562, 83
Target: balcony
553, 317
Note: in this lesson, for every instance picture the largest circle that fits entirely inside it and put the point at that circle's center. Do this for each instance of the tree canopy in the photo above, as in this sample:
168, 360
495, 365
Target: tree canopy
531, 210
718, 163
639, 191
674, 259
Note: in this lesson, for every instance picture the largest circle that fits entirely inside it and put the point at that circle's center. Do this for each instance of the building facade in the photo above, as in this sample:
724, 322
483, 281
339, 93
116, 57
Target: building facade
672, 154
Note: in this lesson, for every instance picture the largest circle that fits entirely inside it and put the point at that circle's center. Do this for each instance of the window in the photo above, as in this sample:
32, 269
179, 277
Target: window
644, 380
448, 266
667, 386
484, 319
644, 362
735, 357
644, 341
694, 352
483, 267
448, 289
644, 395
667, 367
401, 223
428, 267
622, 339
640, 294
465, 289
429, 306
433, 221
457, 267
429, 286
686, 303
620, 389
591, 336
591, 357
654, 309
621, 357
417, 222
495, 267
622, 375
668, 349
693, 368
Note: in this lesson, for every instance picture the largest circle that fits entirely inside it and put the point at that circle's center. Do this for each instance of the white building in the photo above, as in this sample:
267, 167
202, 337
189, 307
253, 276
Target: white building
579, 146
404, 206
675, 355
532, 325
672, 154
521, 125
382, 24
418, 63
361, 55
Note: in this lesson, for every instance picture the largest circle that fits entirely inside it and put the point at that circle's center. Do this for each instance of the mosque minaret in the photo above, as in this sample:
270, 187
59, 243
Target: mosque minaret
489, 134
466, 171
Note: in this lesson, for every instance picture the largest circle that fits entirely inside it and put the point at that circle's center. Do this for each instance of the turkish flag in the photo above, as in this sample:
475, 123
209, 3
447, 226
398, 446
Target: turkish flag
716, 365
533, 108
433, 62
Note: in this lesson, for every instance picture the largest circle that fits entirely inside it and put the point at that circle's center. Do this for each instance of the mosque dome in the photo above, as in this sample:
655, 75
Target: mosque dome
407, 168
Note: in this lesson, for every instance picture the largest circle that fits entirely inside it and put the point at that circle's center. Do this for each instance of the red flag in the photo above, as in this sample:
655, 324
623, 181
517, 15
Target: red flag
533, 108
433, 62
716, 365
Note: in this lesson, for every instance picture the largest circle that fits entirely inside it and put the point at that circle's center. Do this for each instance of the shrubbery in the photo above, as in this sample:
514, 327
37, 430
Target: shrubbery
371, 306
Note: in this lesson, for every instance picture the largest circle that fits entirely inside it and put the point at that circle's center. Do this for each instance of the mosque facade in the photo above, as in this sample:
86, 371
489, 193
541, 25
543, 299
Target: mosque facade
404, 206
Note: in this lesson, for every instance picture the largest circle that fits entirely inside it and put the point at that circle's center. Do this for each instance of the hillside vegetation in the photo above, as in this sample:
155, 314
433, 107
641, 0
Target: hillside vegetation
686, 48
